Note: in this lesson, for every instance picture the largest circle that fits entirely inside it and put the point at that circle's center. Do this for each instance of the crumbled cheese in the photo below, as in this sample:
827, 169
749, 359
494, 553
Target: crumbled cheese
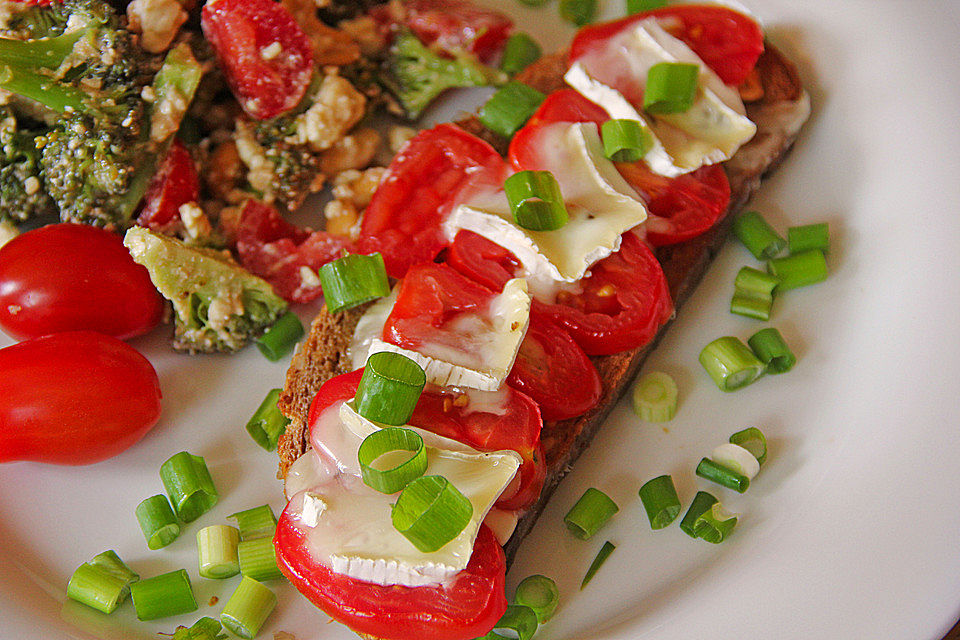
195, 222
148, 94
158, 21
358, 187
309, 277
260, 170
271, 51
8, 231
337, 108
167, 115
398, 136
31, 185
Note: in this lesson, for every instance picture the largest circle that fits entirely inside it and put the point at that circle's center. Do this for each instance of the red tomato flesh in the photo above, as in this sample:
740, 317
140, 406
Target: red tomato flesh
175, 184
67, 277
455, 26
74, 398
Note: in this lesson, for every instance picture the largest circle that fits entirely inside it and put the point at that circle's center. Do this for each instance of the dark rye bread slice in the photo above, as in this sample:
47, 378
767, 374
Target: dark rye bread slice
778, 113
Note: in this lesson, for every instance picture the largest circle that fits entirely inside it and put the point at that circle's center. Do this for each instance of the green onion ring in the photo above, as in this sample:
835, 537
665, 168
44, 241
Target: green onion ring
540, 593
352, 280
591, 512
701, 503
625, 140
714, 524
431, 512
771, 349
671, 87
536, 201
810, 236
385, 441
509, 108
722, 475
389, 389
753, 440
757, 235
660, 501
730, 363
189, 485
520, 619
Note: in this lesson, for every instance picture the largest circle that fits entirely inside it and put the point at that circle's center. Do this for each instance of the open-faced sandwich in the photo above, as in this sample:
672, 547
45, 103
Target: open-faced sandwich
537, 253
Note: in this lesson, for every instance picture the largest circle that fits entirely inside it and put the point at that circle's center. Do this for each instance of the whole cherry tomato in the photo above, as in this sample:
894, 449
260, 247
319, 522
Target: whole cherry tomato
67, 277
74, 398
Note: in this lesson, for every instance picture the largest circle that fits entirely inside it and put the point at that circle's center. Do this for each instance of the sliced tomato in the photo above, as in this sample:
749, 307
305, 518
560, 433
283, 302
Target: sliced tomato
623, 301
404, 216
279, 252
176, 183
482, 260
264, 54
568, 105
466, 608
727, 41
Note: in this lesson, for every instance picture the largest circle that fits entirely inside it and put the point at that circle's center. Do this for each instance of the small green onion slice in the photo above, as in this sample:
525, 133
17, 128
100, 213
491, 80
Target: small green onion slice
217, 551
702, 502
431, 512
102, 583
521, 621
753, 440
640, 6
625, 140
280, 339
758, 307
671, 87
258, 522
737, 459
519, 53
536, 201
248, 608
540, 593
753, 294
758, 236
387, 441
771, 349
722, 475
809, 236
162, 596
389, 389
353, 280
268, 422
592, 511
799, 269
654, 397
509, 108
660, 501
579, 12
602, 556
715, 524
157, 521
258, 559
189, 485
206, 628
730, 363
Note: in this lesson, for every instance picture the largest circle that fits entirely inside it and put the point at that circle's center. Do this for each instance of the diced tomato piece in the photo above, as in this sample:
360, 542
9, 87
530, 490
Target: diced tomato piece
175, 184
567, 105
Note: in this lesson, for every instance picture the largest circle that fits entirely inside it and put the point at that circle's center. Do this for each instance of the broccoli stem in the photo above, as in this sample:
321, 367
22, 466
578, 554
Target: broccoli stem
40, 88
48, 53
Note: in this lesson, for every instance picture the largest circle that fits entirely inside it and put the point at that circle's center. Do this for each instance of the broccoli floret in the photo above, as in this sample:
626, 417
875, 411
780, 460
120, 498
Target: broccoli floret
416, 75
218, 306
22, 195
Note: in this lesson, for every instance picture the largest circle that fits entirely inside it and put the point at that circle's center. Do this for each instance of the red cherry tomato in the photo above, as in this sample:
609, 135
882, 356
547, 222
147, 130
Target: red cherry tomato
403, 219
727, 41
466, 608
482, 260
265, 55
175, 184
567, 105
455, 26
66, 277
74, 398
623, 301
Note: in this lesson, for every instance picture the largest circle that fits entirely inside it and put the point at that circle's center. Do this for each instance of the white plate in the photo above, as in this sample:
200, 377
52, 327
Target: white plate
849, 531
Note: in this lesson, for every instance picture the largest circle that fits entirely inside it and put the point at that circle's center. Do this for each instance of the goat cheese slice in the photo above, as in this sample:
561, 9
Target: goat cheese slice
348, 526
614, 77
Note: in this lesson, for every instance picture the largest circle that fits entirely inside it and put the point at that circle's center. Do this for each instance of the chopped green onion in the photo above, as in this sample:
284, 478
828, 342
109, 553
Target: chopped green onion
536, 201
715, 524
266, 425
701, 504
509, 108
660, 501
602, 556
722, 475
217, 551
753, 295
157, 521
205, 628
520, 620
730, 363
258, 522
640, 6
753, 440
540, 593
737, 459
591, 512
671, 87
258, 559
799, 269
534, 3
579, 12
755, 281
771, 350
248, 608
102, 583
162, 596
431, 512
758, 236
625, 140
386, 441
281, 337
352, 280
389, 389
751, 306
810, 236
654, 397
519, 53
189, 485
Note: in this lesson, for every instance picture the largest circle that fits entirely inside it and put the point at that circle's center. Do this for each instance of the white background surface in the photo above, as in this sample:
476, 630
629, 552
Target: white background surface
850, 530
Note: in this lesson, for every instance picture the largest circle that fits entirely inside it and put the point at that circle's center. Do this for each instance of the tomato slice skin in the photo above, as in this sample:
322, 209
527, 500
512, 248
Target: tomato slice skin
482, 260
240, 31
74, 398
454, 26
176, 183
67, 277
566, 105
727, 41
467, 608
